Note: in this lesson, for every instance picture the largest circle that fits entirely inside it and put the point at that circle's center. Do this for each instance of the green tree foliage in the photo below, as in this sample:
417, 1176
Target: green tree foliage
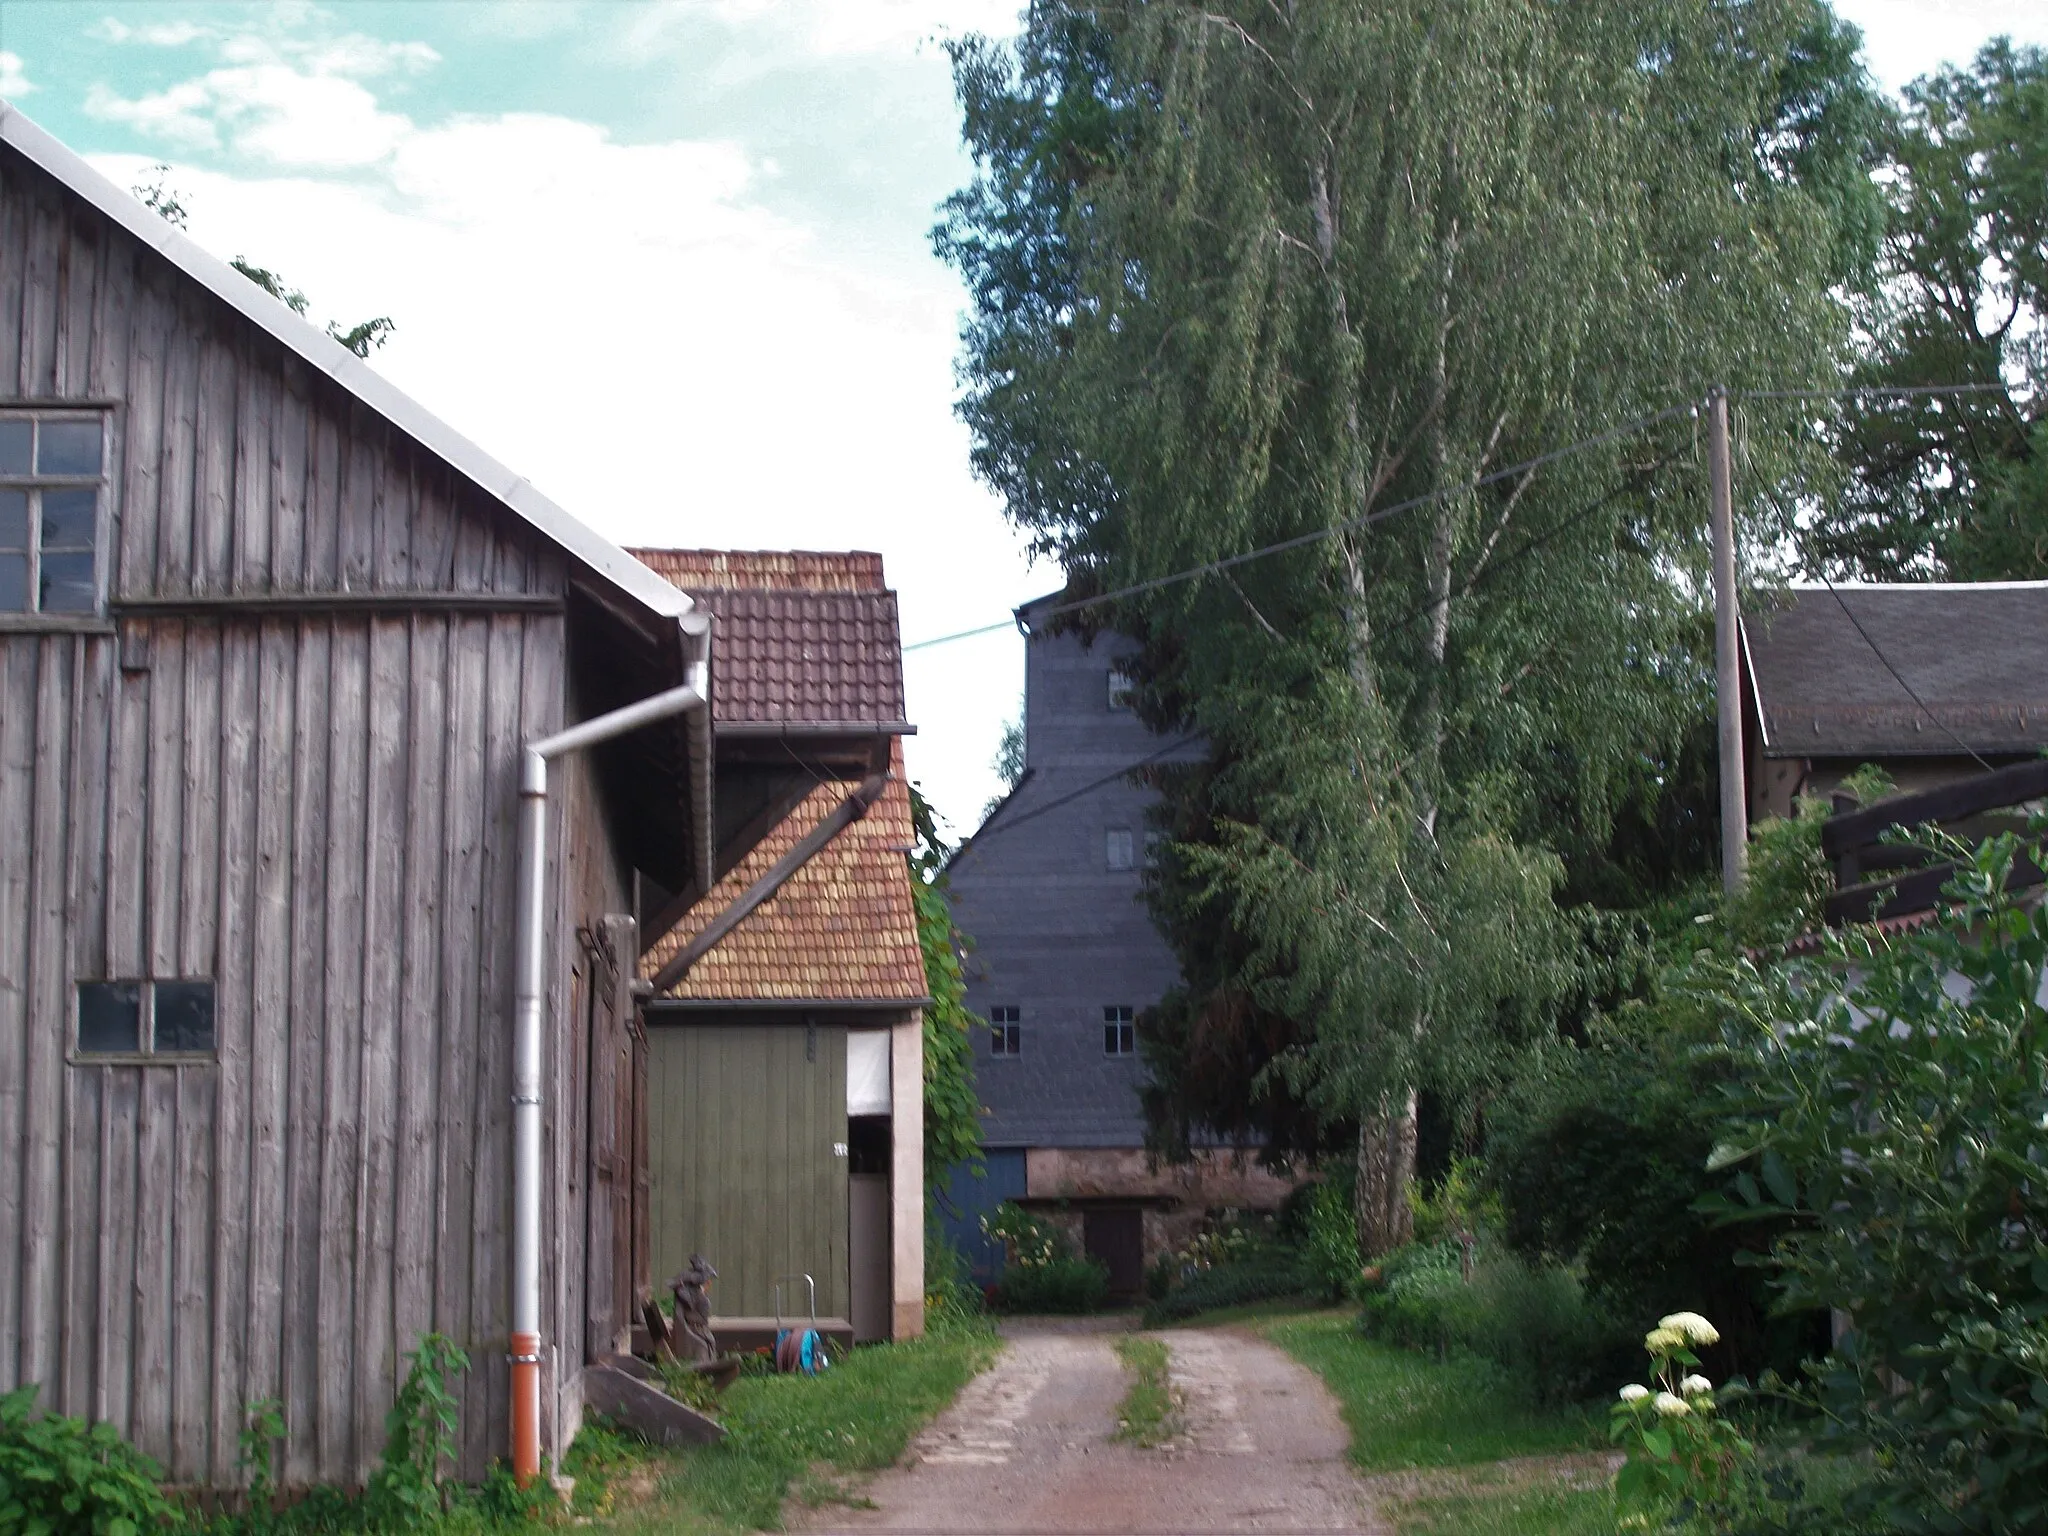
1256, 273
1956, 485
952, 1114
1894, 1125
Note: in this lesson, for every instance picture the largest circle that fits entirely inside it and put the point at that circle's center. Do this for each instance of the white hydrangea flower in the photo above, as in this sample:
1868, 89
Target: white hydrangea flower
1660, 1341
1671, 1406
1690, 1327
1632, 1393
1696, 1386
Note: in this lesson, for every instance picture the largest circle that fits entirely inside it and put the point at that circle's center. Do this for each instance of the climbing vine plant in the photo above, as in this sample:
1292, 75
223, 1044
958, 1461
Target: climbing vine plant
952, 1123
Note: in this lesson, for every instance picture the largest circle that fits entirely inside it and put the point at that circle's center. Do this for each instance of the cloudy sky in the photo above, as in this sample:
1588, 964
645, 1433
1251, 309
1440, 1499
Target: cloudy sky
668, 260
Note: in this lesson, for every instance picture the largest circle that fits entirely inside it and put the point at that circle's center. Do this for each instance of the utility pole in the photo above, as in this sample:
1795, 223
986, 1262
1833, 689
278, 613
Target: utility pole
1727, 654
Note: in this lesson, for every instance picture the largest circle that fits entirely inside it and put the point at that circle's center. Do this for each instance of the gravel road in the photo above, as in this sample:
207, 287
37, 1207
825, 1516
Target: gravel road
1026, 1450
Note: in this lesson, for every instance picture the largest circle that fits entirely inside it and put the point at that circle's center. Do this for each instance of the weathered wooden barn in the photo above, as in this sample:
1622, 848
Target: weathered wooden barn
276, 647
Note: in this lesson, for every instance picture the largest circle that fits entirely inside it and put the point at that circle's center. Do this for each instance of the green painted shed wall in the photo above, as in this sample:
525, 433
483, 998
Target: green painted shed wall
742, 1123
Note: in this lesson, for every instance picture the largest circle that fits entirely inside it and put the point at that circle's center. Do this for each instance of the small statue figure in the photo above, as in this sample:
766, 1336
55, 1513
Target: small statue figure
692, 1339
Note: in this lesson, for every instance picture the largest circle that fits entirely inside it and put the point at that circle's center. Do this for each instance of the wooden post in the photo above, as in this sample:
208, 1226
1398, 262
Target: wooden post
1727, 651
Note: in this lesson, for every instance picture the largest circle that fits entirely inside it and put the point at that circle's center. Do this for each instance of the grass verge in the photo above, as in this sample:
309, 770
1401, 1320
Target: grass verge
1408, 1410
796, 1436
1150, 1414
1529, 1510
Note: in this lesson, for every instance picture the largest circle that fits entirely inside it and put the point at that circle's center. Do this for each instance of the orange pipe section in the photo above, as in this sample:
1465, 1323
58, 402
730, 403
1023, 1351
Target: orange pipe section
525, 1408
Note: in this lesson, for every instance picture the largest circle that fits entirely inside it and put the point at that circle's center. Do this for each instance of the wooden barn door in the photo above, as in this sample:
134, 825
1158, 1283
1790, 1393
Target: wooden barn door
616, 1249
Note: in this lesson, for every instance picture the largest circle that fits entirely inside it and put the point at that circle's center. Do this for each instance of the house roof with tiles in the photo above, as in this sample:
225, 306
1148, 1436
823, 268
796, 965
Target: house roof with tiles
804, 637
840, 930
801, 636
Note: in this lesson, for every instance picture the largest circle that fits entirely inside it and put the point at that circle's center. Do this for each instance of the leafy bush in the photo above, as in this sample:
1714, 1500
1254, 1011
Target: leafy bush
1897, 1115
1599, 1153
1329, 1241
1551, 1341
1041, 1272
1064, 1284
1266, 1275
63, 1477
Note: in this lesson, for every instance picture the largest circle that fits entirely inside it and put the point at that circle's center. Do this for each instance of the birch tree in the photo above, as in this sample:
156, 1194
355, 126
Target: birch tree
1266, 273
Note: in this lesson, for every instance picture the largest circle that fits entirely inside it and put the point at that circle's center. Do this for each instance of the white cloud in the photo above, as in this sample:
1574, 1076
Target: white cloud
163, 34
177, 115
265, 108
827, 28
14, 79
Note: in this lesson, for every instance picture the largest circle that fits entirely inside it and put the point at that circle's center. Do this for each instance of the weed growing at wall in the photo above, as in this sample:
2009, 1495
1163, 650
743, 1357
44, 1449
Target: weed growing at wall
63, 1477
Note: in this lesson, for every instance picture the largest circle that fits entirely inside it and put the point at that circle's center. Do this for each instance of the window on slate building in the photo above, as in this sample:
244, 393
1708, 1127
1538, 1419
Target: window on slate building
1119, 1037
1119, 848
1005, 1034
52, 473
145, 1018
1119, 688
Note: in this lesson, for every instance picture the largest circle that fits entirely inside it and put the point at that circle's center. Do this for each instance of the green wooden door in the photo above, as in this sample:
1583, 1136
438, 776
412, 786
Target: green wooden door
746, 1149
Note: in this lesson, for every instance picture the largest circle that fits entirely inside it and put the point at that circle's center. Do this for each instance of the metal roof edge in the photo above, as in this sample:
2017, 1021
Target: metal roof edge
1918, 586
601, 556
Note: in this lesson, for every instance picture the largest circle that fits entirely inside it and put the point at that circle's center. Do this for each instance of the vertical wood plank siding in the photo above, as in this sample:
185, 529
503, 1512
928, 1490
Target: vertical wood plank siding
314, 810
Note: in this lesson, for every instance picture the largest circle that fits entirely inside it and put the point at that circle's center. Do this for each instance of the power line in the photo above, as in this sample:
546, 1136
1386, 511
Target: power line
1527, 466
1369, 519
1072, 795
1878, 391
1521, 552
1897, 676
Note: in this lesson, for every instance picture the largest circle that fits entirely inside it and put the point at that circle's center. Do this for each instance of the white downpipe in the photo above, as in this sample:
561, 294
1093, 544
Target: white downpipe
527, 1036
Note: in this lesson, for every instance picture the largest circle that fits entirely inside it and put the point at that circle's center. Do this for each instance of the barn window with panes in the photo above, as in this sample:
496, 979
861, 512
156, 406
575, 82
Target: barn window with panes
1005, 1033
1119, 1037
52, 478
145, 1018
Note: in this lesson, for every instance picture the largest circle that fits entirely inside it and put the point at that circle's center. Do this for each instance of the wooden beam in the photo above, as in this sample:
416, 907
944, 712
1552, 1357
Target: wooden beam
1980, 792
837, 820
263, 603
736, 847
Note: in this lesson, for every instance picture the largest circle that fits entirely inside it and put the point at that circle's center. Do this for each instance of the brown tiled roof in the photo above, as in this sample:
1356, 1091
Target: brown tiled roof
796, 637
803, 636
853, 570
841, 928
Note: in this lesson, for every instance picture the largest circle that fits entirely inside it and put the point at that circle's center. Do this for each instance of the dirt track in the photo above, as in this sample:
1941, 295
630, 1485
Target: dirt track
1027, 1448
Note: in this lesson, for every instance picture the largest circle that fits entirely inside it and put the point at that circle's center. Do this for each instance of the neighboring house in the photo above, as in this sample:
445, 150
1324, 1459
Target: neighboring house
1064, 957
786, 1091
274, 643
1941, 685
1931, 683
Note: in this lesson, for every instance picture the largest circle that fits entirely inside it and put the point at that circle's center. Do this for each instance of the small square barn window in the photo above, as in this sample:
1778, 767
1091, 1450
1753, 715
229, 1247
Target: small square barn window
145, 1018
1119, 1036
1005, 1033
52, 485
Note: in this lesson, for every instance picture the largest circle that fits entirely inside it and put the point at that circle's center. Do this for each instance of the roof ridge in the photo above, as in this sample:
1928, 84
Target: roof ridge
605, 559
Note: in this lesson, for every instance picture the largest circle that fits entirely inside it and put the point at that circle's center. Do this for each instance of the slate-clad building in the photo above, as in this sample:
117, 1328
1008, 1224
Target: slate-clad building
273, 642
1065, 955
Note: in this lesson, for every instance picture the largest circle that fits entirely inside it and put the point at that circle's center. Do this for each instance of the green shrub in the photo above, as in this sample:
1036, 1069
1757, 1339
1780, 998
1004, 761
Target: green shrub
1894, 1115
63, 1477
1063, 1284
1551, 1341
1268, 1274
1329, 1241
